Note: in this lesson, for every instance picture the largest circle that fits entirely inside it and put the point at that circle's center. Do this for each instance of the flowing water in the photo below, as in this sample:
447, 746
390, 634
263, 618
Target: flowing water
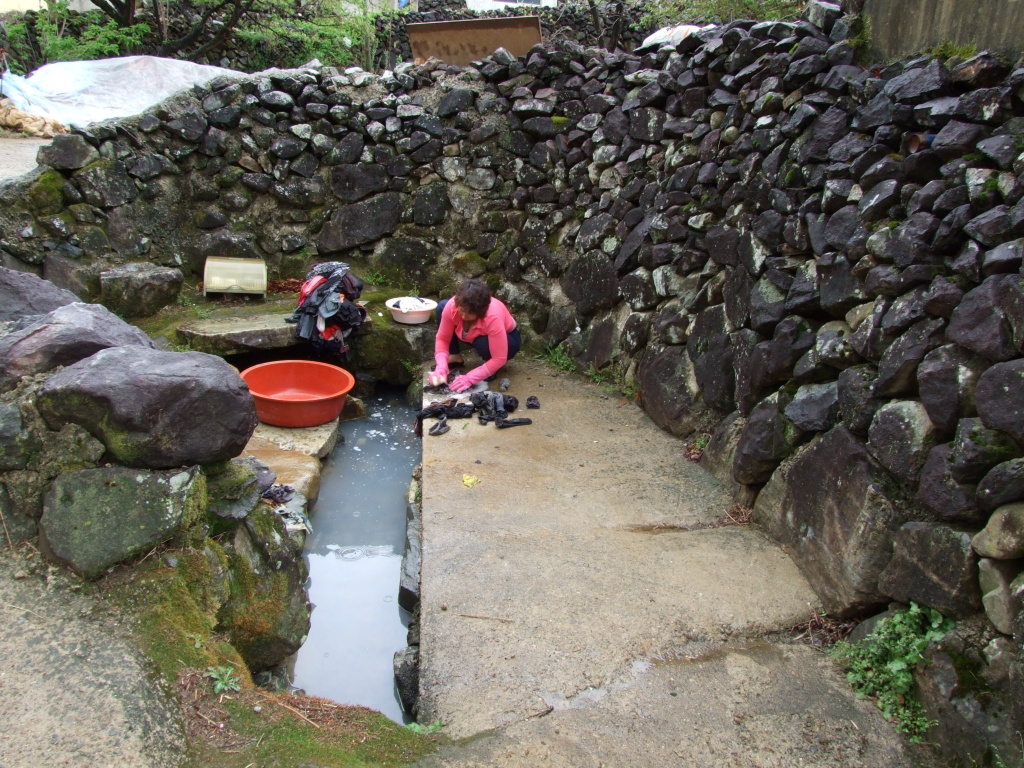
355, 555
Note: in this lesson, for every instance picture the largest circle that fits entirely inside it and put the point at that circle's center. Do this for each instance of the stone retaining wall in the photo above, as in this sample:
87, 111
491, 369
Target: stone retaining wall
817, 263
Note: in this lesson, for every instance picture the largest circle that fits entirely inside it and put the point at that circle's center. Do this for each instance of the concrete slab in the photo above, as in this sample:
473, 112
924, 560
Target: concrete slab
573, 558
299, 470
231, 335
312, 441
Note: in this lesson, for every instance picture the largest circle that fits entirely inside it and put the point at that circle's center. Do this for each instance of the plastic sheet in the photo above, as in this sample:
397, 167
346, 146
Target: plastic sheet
671, 35
83, 92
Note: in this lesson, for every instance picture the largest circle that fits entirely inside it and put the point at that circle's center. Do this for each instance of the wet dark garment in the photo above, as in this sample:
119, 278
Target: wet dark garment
532, 402
450, 409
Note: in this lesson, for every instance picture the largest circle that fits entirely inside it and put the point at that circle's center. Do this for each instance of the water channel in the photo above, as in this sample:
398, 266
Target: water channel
354, 556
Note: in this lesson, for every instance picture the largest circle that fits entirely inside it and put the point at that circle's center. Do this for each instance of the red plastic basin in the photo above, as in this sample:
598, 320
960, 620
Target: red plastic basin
298, 393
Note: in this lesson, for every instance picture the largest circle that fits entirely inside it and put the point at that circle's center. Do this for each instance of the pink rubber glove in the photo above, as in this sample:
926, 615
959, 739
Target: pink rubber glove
460, 384
436, 378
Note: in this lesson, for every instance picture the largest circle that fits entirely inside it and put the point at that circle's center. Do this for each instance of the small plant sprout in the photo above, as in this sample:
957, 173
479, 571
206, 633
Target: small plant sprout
224, 679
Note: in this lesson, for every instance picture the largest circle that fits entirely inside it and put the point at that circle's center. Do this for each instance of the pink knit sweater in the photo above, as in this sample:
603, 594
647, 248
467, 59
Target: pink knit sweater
495, 325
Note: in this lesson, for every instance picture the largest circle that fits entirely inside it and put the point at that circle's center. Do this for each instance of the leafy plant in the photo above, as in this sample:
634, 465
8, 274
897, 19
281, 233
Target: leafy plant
375, 278
59, 34
224, 679
558, 358
434, 727
882, 665
598, 376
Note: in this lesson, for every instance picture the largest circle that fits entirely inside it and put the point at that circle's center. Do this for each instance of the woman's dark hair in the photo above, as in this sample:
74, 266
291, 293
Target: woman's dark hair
473, 296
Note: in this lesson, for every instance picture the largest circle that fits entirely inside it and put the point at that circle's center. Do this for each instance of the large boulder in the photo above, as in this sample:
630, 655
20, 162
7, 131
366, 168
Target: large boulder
22, 294
62, 337
97, 518
670, 393
933, 565
154, 409
837, 509
139, 289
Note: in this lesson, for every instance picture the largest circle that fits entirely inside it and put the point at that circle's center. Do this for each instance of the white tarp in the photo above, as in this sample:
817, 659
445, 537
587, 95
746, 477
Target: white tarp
83, 92
671, 35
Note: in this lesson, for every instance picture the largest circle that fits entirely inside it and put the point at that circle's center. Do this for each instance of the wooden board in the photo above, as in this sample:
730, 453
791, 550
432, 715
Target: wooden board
460, 42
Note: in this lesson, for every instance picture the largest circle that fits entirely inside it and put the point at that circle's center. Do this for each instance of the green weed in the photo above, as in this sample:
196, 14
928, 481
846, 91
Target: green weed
882, 665
224, 679
721, 11
375, 278
947, 49
434, 727
557, 357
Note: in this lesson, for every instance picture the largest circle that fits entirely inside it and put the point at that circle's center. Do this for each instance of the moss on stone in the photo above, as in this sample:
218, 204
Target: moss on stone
45, 196
470, 263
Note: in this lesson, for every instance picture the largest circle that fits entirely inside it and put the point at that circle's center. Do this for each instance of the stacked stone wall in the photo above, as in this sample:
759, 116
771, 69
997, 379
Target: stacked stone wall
817, 263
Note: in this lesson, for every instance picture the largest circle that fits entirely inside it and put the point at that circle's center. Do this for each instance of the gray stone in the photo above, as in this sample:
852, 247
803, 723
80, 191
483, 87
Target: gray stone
837, 510
351, 183
1003, 535
105, 184
18, 445
897, 370
1003, 484
815, 407
1000, 398
234, 490
940, 493
430, 205
1002, 603
63, 337
139, 289
360, 223
154, 409
22, 294
590, 282
96, 518
933, 565
981, 323
977, 449
670, 394
901, 436
710, 350
956, 139
768, 437
267, 575
946, 380
67, 152
858, 401
406, 665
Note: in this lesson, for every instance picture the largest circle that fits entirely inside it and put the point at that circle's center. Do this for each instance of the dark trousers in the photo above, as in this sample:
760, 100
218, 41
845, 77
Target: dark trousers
481, 344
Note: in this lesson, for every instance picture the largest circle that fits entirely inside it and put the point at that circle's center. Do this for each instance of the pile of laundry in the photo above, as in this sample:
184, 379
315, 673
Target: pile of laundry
327, 312
488, 407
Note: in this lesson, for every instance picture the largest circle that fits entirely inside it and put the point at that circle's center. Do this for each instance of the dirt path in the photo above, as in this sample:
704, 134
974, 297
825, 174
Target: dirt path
73, 692
18, 156
577, 611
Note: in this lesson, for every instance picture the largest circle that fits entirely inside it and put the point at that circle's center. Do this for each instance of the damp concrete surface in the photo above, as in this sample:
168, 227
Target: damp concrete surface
354, 556
569, 618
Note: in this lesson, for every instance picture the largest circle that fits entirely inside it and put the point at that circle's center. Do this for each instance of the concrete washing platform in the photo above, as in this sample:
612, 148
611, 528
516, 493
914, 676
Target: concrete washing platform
574, 614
